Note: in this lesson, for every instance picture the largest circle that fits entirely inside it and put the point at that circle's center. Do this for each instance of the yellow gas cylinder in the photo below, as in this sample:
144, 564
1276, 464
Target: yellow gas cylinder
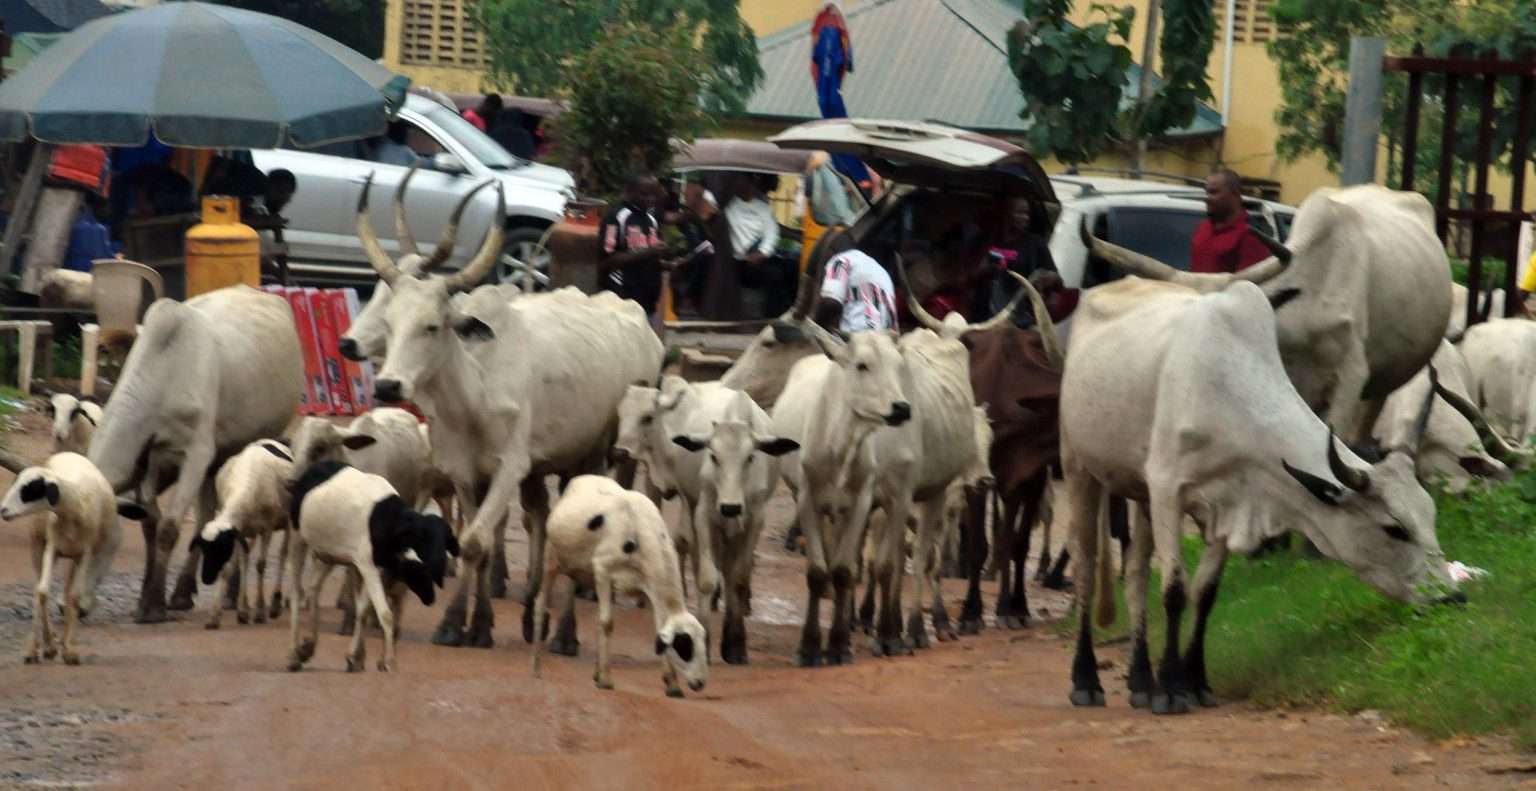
222, 251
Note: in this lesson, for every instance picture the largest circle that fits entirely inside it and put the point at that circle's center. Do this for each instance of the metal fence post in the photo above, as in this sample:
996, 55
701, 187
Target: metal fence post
1362, 110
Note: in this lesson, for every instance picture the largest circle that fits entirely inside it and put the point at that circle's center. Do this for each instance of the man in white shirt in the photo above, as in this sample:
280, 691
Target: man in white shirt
754, 240
857, 293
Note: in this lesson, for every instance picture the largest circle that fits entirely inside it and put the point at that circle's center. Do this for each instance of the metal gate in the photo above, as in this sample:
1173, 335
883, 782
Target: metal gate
1481, 75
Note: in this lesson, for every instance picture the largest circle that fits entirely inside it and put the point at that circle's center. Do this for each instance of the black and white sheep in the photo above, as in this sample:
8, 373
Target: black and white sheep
346, 517
81, 525
614, 539
74, 420
252, 490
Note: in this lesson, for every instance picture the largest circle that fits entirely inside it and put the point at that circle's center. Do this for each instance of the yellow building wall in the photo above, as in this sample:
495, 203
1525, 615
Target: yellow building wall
444, 78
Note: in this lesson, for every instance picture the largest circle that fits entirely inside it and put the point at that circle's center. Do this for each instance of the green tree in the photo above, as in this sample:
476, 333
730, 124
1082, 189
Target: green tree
1074, 78
530, 43
627, 96
357, 23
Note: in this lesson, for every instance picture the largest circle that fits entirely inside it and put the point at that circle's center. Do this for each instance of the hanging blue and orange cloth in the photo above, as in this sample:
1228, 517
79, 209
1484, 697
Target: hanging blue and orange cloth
831, 60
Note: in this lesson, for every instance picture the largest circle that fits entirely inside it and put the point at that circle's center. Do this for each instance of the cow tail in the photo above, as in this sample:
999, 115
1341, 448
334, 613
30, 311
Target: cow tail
1104, 574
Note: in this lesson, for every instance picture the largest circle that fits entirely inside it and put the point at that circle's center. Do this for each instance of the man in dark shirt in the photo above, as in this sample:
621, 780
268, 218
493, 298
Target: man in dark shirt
1223, 242
1021, 251
631, 244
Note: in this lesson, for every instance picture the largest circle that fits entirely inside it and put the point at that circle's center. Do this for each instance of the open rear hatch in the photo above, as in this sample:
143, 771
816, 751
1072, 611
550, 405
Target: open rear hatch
928, 155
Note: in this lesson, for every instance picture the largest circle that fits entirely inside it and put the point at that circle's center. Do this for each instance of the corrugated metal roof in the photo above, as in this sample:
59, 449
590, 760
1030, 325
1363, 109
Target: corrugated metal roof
49, 16
918, 60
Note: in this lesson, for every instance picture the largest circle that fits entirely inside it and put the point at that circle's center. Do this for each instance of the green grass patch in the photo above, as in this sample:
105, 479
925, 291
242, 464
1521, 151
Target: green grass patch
1290, 631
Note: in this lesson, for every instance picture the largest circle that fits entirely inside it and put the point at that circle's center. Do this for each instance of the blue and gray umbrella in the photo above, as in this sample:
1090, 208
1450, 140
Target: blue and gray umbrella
202, 76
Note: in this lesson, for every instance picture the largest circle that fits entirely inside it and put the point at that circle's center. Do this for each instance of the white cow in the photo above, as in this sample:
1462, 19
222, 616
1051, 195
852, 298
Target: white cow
1458, 323
540, 399
205, 378
1180, 401
735, 479
1434, 420
1501, 355
1375, 296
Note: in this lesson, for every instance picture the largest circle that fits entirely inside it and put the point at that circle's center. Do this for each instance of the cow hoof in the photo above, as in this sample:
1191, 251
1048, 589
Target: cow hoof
528, 624
839, 658
1206, 699
182, 600
306, 650
604, 683
1141, 700
355, 664
155, 614
734, 655
448, 634
805, 658
386, 667
480, 637
970, 626
295, 664
71, 658
1088, 697
243, 618
946, 635
211, 626
565, 647
918, 640
1170, 703
277, 606
892, 646
260, 616
675, 692
31, 659
1055, 582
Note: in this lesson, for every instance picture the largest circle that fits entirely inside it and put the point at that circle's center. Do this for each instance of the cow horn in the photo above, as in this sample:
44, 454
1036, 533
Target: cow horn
402, 228
918, 312
1134, 263
1006, 314
490, 250
1421, 423
450, 237
1347, 475
1496, 446
1276, 247
1045, 324
382, 264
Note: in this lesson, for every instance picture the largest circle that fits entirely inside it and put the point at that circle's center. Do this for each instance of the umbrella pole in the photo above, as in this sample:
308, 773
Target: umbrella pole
26, 202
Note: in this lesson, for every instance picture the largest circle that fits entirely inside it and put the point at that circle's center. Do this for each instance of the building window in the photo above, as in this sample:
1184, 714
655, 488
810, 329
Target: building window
1253, 22
439, 33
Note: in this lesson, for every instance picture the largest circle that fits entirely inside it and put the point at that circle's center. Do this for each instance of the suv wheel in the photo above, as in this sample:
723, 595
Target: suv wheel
523, 243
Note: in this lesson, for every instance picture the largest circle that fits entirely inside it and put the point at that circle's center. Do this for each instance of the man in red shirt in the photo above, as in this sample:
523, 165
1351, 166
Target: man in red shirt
1223, 242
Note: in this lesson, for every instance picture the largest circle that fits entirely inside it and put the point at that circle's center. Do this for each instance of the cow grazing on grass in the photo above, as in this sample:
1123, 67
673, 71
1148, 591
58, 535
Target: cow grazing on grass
1179, 400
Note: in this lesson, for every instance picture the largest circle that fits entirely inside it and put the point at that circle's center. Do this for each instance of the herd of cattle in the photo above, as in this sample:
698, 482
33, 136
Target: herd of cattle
1212, 397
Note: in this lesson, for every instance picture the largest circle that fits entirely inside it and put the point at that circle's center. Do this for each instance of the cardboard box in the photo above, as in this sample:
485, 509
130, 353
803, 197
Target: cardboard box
330, 355
317, 400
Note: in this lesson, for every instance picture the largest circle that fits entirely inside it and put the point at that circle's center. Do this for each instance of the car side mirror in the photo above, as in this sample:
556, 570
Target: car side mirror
445, 162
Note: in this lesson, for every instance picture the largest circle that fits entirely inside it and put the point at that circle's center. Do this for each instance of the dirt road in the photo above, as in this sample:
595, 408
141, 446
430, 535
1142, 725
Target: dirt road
177, 706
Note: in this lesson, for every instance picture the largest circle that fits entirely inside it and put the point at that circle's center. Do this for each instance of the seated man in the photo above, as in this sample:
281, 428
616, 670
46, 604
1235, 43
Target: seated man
857, 294
391, 148
754, 242
1024, 252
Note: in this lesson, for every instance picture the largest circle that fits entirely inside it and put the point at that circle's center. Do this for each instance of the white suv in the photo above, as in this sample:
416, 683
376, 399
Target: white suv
321, 233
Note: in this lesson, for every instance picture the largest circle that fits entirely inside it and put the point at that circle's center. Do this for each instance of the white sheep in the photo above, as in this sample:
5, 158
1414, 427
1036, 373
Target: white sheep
614, 539
344, 516
252, 490
81, 525
74, 420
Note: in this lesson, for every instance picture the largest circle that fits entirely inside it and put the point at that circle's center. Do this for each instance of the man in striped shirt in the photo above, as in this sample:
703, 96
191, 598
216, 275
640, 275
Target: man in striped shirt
857, 294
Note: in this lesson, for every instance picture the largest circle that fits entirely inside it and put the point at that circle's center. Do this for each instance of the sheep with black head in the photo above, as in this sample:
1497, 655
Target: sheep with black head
345, 517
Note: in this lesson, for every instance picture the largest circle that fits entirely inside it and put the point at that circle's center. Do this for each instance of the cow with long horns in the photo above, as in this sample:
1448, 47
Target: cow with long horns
1376, 296
541, 399
1016, 377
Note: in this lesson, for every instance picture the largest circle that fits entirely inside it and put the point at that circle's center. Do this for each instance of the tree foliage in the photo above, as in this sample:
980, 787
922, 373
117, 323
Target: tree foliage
530, 43
1313, 60
1073, 78
628, 95
357, 23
